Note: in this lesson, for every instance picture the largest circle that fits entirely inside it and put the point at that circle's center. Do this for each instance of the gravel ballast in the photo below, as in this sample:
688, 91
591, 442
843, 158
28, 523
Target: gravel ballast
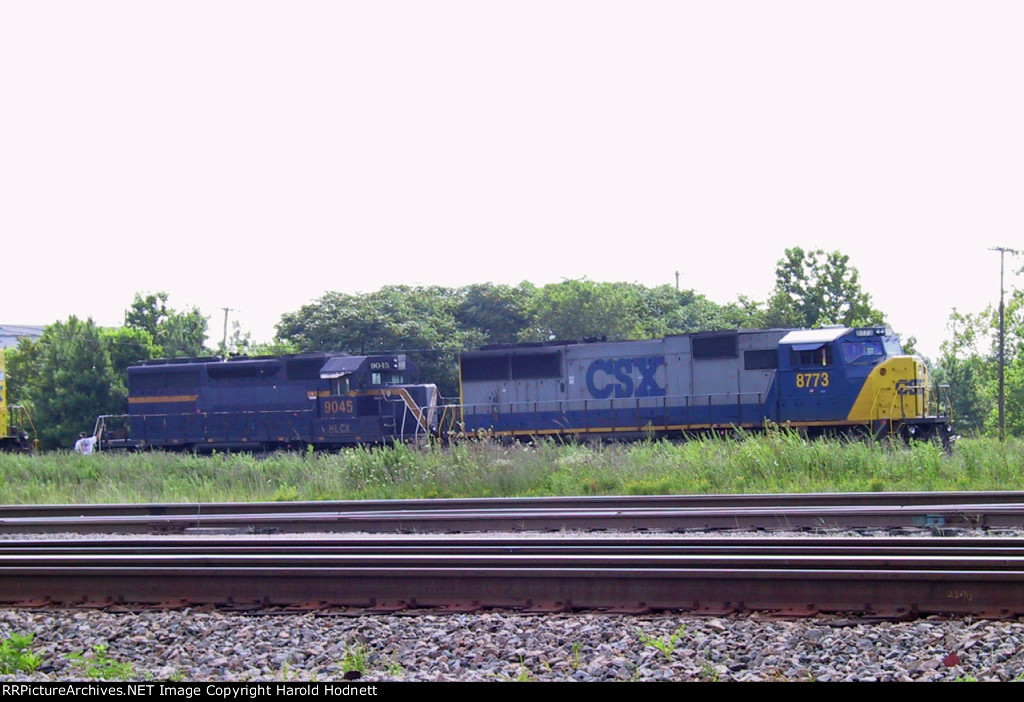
220, 646
500, 646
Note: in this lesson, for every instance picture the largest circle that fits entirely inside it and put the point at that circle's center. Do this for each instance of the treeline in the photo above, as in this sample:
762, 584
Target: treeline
433, 324
969, 363
76, 371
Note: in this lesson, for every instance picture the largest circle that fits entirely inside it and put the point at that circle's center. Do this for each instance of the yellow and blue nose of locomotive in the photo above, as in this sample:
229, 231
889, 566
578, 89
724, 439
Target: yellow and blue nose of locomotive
854, 377
895, 389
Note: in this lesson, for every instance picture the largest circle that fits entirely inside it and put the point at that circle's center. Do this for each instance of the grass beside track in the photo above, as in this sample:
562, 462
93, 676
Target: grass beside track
771, 463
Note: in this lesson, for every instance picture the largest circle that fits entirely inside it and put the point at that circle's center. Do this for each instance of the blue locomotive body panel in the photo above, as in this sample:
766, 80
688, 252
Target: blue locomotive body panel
295, 401
827, 378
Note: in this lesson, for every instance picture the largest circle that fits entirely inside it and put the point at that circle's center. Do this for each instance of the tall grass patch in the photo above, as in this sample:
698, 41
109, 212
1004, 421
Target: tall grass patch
774, 462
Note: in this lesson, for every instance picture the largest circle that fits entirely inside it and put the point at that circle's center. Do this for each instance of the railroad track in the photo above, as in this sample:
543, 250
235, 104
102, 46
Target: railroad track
873, 499
671, 513
901, 577
789, 576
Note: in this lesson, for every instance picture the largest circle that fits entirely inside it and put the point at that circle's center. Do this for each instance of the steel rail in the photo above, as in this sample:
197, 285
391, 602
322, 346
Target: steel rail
70, 564
874, 499
989, 584
455, 545
934, 516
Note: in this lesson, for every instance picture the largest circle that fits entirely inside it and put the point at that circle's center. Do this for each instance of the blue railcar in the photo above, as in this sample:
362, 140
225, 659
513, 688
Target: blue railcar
851, 380
320, 400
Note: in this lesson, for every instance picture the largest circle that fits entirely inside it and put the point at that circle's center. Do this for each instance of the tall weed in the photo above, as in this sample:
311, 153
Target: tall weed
766, 463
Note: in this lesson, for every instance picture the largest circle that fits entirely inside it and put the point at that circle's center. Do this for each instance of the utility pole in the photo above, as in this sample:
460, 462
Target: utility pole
1002, 341
956, 342
224, 344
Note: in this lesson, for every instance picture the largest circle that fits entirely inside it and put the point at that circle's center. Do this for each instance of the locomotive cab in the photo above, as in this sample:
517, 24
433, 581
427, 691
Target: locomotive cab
373, 398
861, 374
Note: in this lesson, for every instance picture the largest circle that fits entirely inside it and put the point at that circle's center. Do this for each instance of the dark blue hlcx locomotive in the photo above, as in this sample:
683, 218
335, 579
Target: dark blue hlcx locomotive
834, 380
319, 400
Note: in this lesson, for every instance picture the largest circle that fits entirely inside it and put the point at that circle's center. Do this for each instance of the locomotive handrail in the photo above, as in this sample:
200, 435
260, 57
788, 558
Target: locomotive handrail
104, 420
419, 413
18, 417
663, 400
896, 412
421, 416
422, 420
450, 417
689, 404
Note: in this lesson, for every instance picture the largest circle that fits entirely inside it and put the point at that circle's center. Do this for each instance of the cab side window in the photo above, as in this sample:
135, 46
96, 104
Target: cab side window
377, 378
821, 356
340, 386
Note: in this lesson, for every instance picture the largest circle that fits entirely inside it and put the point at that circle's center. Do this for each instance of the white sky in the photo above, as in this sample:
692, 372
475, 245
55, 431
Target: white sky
254, 155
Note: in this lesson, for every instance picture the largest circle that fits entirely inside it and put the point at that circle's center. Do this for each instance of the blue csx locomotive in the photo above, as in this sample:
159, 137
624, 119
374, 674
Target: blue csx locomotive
833, 380
322, 400
818, 381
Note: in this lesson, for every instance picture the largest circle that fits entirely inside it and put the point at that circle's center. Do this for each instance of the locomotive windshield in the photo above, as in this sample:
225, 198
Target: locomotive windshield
893, 346
869, 351
863, 351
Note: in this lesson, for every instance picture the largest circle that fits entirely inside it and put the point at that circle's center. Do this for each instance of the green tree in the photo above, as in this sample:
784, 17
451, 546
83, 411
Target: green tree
964, 371
433, 324
814, 289
22, 370
1013, 371
176, 333
418, 321
664, 310
73, 382
126, 347
498, 313
582, 309
1014, 388
969, 364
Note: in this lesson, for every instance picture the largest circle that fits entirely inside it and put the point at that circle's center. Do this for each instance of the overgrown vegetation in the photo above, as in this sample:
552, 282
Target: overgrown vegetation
355, 659
775, 462
98, 664
16, 654
666, 645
